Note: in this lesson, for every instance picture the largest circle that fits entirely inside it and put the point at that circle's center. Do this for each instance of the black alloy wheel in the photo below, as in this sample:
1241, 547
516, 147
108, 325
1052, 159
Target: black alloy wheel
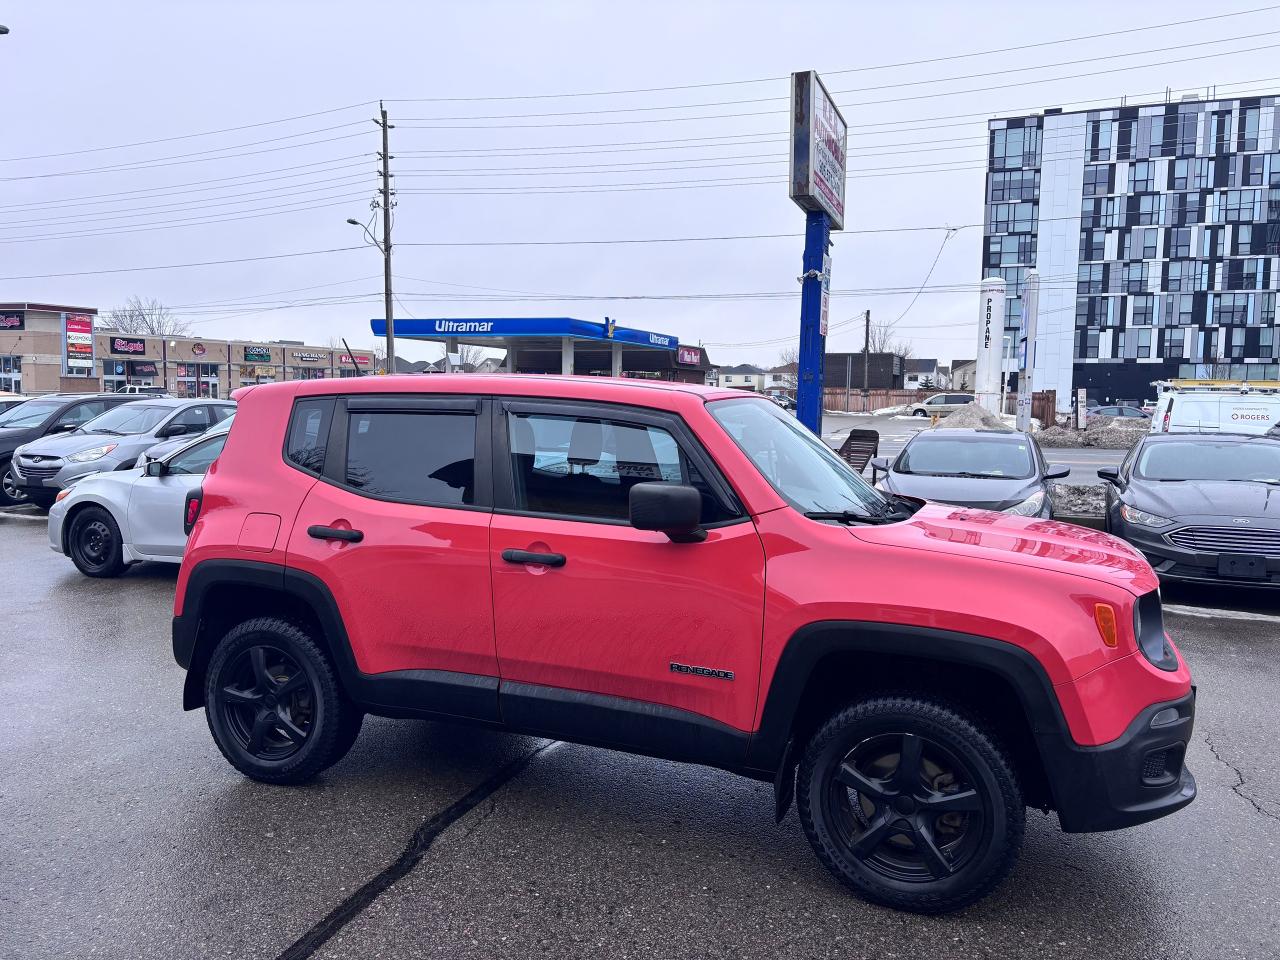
911, 804
95, 544
273, 703
10, 493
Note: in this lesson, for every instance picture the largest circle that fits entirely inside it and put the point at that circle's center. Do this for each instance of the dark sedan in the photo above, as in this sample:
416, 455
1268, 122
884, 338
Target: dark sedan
1200, 507
993, 469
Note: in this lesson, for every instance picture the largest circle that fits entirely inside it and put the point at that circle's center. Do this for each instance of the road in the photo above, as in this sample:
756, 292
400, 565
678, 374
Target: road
126, 835
896, 431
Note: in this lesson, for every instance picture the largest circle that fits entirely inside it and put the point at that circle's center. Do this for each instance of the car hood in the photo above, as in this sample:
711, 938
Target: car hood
1205, 498
11, 437
1022, 541
105, 483
69, 443
165, 447
988, 493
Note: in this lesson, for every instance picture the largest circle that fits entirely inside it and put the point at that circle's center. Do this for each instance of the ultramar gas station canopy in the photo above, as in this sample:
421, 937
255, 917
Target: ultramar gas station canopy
550, 344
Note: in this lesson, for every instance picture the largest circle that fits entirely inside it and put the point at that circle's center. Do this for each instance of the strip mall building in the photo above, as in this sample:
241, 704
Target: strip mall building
47, 348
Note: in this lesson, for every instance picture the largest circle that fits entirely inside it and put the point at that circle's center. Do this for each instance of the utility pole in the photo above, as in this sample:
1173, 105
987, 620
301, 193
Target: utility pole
866, 359
387, 193
1027, 359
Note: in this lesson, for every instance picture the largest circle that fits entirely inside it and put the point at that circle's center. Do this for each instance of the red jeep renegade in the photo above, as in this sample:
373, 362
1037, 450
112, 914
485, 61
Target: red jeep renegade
684, 573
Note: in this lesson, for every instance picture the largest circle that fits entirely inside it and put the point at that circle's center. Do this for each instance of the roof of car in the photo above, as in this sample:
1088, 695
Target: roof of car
970, 433
1208, 435
622, 389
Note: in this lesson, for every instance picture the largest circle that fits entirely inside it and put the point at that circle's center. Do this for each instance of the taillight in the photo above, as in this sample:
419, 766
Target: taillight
191, 510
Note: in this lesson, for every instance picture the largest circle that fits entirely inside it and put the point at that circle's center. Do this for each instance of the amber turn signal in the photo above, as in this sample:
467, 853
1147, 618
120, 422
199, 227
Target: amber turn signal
1104, 615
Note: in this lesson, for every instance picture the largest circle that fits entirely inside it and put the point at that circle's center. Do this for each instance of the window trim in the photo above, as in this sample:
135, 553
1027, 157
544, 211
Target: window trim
686, 440
335, 456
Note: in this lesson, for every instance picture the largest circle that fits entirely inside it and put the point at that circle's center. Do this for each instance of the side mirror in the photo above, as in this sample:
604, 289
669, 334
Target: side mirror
879, 465
172, 430
671, 508
1109, 474
156, 468
65, 427
1057, 471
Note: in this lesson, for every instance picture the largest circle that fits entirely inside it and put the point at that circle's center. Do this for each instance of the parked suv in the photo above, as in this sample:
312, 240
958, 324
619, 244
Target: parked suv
682, 572
42, 417
112, 441
940, 404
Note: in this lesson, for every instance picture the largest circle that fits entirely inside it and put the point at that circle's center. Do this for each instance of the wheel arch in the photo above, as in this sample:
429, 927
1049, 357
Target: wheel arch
826, 665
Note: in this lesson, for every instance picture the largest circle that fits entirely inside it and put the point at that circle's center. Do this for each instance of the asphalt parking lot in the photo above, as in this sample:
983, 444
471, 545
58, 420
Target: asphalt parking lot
127, 835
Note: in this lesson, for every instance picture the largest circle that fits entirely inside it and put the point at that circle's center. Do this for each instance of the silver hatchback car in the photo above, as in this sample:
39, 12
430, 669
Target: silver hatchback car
112, 441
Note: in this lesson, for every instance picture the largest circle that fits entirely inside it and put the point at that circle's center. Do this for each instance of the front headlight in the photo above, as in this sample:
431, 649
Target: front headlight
93, 453
1142, 518
1029, 507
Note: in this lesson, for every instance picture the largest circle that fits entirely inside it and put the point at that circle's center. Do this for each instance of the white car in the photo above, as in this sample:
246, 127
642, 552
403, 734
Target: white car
109, 520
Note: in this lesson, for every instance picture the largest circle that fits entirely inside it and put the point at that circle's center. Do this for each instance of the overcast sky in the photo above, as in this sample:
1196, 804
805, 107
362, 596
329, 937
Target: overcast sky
80, 76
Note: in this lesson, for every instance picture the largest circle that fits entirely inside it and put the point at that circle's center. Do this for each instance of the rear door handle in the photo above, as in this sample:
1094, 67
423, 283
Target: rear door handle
335, 533
525, 556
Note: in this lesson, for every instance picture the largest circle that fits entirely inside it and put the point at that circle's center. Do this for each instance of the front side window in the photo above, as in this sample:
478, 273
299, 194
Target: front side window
195, 419
195, 460
427, 458
586, 466
799, 466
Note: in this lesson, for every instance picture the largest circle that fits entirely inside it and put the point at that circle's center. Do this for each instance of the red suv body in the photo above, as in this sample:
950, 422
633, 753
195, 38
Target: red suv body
684, 573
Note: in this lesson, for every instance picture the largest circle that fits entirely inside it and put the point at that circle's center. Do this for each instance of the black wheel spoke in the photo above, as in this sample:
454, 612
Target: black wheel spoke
934, 859
907, 777
258, 657
878, 831
241, 698
966, 801
290, 729
295, 683
262, 724
850, 776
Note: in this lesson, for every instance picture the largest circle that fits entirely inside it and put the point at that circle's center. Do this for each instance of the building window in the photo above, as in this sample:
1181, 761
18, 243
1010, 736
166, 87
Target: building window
196, 380
1090, 278
1187, 208
1097, 180
1202, 177
1255, 170
1266, 309
1240, 205
1012, 218
1015, 147
1176, 273
11, 374
1093, 245
254, 373
1267, 343
1236, 347
1221, 131
1135, 277
1098, 138
1179, 310
1229, 309
1180, 175
1015, 185
1211, 243
1142, 177
1179, 242
307, 373
1273, 170
1248, 129
1144, 310
1141, 245
1174, 342
1012, 249
1143, 346
1125, 130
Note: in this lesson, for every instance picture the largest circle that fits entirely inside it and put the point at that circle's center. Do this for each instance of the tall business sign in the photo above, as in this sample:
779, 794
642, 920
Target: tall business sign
986, 376
77, 343
817, 183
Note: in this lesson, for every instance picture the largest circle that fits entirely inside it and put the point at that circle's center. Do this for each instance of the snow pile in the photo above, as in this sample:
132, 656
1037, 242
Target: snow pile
1060, 437
971, 416
1078, 499
1115, 433
889, 411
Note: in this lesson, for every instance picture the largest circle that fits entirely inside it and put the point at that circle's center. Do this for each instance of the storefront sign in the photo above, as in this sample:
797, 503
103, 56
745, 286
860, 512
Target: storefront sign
198, 350
691, 356
307, 357
257, 354
143, 368
77, 341
818, 135
128, 345
13, 320
355, 361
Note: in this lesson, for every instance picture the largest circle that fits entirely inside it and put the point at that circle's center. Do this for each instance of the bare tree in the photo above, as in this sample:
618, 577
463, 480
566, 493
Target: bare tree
380, 355
884, 340
148, 318
469, 356
789, 358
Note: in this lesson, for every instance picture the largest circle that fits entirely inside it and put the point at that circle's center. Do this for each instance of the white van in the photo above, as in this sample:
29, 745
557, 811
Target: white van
1215, 411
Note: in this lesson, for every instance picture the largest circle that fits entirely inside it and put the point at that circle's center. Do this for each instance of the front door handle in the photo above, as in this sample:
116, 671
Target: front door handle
526, 556
335, 533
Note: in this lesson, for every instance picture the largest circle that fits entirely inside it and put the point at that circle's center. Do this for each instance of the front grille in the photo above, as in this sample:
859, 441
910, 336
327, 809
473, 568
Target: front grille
37, 472
1162, 767
1235, 539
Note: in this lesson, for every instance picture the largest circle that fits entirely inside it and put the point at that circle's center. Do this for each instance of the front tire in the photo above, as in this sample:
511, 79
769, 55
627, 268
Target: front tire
10, 493
919, 413
95, 544
911, 804
273, 703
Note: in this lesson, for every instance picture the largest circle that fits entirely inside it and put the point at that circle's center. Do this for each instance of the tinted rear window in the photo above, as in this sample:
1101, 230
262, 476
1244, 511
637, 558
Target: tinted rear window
309, 434
414, 457
944, 456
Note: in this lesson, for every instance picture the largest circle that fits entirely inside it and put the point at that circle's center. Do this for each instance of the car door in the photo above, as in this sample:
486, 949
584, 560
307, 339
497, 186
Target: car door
156, 503
621, 636
397, 529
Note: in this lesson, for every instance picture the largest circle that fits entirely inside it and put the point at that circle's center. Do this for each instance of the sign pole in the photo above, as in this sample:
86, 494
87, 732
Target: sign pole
813, 328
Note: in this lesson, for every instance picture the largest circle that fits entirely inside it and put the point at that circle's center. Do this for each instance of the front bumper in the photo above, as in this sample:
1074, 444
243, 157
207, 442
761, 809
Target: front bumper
51, 475
1138, 777
57, 518
1173, 562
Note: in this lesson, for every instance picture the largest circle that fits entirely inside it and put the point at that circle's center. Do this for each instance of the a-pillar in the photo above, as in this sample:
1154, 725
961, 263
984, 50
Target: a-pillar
615, 359
566, 356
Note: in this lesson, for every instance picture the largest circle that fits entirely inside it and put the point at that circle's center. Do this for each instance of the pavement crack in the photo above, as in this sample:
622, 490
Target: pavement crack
1238, 787
421, 841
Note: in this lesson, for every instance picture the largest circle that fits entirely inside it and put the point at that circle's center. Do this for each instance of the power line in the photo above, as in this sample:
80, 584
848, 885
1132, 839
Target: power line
178, 266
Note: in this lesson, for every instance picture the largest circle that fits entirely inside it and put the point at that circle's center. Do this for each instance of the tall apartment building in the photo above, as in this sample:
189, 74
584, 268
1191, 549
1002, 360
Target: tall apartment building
1156, 233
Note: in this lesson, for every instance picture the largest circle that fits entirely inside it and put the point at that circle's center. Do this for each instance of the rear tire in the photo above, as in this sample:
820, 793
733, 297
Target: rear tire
273, 704
95, 544
910, 804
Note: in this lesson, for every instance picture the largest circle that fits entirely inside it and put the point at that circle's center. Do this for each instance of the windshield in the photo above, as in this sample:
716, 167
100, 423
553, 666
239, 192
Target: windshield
32, 413
1210, 460
128, 418
939, 456
804, 470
